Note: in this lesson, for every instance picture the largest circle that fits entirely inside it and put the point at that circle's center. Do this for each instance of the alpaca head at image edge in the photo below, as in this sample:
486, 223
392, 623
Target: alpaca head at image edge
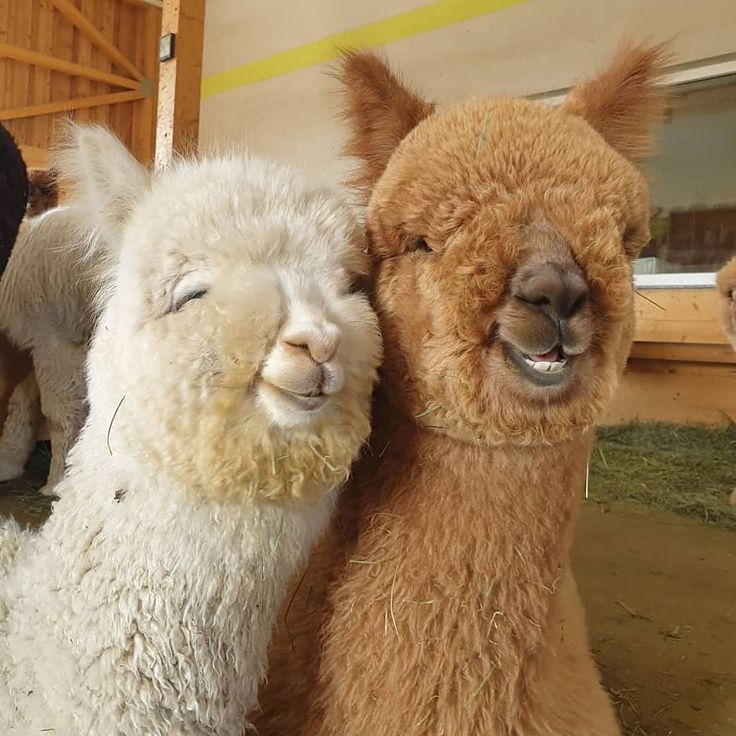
501, 234
726, 286
232, 355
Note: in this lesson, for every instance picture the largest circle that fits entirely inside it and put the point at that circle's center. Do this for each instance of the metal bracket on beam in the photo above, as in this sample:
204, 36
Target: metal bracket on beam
166, 47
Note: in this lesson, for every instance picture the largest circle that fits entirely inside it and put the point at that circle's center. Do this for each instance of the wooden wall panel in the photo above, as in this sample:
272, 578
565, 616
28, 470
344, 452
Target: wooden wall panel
45, 27
61, 84
44, 43
125, 38
104, 19
678, 316
683, 393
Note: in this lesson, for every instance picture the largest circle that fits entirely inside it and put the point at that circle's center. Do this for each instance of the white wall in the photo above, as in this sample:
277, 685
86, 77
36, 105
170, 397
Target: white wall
536, 46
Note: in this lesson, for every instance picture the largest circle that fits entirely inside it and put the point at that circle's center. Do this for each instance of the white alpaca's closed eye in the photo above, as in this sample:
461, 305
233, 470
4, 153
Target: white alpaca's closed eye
186, 291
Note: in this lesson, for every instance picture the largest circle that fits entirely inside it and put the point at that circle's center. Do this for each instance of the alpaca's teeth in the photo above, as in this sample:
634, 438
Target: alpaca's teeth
544, 366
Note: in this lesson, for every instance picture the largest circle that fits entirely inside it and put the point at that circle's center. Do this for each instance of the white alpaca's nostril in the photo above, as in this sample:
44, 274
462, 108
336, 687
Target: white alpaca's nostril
320, 342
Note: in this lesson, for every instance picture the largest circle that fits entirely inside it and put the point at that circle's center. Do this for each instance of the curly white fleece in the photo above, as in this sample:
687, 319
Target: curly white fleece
144, 606
148, 615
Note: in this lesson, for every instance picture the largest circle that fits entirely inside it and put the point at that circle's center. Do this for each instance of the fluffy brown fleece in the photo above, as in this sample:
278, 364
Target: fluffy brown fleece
726, 285
442, 601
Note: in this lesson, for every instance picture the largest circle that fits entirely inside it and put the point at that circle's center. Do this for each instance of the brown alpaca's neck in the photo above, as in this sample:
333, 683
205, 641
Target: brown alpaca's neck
527, 495
425, 605
485, 532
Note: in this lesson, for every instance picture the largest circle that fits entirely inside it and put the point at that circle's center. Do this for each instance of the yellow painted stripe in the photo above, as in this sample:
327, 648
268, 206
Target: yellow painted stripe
403, 25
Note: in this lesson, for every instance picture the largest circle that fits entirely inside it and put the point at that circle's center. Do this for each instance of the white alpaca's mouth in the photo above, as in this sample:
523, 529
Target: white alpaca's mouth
289, 400
552, 368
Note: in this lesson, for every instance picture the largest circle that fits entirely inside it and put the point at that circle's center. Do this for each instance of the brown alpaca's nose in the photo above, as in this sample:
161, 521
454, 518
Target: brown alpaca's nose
554, 289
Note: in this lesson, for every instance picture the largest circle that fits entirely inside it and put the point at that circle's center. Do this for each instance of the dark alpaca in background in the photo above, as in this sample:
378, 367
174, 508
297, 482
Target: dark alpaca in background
13, 194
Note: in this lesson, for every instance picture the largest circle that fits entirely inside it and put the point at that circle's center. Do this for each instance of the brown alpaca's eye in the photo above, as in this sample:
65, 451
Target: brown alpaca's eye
420, 244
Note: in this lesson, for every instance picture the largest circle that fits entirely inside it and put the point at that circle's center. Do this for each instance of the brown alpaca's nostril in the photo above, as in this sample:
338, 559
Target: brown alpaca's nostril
553, 289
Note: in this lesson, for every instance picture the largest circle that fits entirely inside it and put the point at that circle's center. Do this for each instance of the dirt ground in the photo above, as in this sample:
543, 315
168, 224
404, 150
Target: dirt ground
660, 595
659, 588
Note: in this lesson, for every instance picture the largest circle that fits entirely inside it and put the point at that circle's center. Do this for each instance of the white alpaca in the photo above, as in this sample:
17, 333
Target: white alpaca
47, 307
229, 380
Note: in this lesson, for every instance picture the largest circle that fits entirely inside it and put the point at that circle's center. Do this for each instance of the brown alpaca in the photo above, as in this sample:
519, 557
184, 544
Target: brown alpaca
726, 285
42, 191
501, 234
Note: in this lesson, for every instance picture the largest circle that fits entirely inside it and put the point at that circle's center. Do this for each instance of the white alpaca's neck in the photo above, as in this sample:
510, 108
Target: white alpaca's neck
187, 591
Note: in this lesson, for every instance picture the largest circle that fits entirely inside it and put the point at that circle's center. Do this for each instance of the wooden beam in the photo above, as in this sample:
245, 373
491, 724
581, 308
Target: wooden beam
180, 80
68, 67
158, 4
72, 13
683, 393
143, 132
678, 316
683, 352
79, 103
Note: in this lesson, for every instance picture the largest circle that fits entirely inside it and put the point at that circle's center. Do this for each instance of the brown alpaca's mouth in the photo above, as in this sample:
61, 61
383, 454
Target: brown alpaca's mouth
552, 368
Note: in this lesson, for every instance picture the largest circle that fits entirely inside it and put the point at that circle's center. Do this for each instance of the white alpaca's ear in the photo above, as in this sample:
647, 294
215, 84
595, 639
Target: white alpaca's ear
104, 179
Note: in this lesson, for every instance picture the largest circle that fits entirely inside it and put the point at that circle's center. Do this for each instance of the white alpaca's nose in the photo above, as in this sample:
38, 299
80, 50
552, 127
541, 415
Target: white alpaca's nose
304, 362
303, 372
308, 350
319, 340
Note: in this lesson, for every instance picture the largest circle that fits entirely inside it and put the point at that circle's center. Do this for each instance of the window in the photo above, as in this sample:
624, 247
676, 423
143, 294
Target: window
693, 187
693, 179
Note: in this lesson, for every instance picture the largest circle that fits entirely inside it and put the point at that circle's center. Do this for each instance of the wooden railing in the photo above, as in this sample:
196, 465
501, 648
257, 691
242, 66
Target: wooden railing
681, 368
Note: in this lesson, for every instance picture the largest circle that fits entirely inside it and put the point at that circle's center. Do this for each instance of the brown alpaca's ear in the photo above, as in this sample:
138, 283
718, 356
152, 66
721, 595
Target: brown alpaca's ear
379, 111
624, 102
